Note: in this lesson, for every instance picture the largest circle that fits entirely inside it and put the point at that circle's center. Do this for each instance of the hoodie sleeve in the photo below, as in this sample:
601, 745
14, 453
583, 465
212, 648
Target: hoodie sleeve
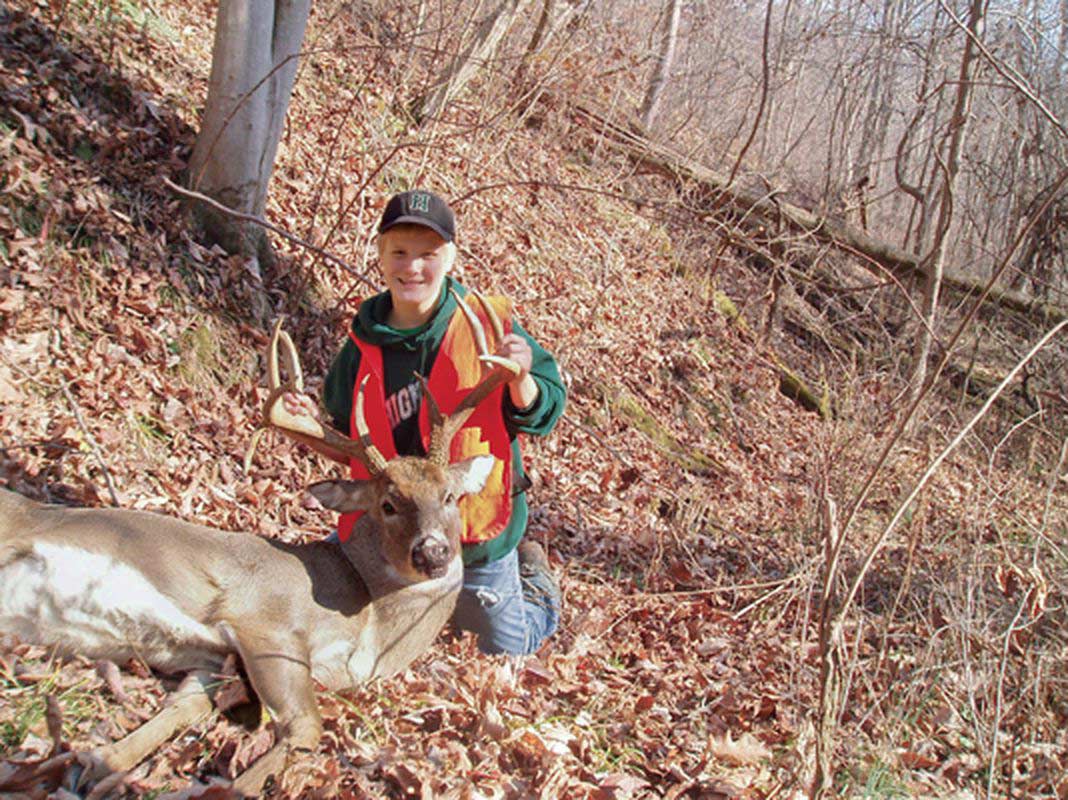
339, 384
541, 416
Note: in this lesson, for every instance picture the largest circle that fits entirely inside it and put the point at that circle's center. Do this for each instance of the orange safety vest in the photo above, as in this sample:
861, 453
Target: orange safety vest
456, 370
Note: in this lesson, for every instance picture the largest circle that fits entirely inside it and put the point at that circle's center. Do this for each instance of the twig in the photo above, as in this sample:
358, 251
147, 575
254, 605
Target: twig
737, 615
999, 696
933, 467
93, 446
563, 187
240, 215
734, 587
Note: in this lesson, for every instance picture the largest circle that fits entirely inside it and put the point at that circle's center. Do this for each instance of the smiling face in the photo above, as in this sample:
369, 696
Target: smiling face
414, 261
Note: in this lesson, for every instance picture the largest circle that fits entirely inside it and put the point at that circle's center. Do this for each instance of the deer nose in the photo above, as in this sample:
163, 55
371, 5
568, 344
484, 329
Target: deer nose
431, 556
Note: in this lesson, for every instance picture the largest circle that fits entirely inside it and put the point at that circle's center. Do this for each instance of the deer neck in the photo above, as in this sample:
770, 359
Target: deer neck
379, 577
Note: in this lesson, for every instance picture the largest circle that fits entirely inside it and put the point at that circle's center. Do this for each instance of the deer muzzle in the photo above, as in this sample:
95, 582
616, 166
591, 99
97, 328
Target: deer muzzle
431, 556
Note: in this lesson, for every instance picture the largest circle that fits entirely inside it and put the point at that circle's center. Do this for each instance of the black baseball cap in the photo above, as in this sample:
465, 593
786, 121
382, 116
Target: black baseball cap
419, 207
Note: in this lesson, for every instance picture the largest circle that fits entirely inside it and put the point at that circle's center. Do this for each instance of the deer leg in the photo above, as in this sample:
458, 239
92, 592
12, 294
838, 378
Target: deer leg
187, 706
284, 685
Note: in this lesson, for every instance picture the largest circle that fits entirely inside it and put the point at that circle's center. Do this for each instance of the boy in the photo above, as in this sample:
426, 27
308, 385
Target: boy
509, 597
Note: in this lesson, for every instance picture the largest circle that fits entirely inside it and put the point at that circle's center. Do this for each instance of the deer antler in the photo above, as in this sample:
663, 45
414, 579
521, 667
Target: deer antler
443, 428
276, 415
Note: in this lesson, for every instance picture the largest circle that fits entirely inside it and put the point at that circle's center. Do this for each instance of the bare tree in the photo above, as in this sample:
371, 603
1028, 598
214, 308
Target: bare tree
254, 64
478, 51
950, 166
551, 20
664, 61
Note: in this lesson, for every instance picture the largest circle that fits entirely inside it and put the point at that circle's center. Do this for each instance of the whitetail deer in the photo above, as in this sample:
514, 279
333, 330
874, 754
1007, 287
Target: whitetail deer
119, 584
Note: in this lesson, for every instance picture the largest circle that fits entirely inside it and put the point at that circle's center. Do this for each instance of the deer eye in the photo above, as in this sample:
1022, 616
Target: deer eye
388, 508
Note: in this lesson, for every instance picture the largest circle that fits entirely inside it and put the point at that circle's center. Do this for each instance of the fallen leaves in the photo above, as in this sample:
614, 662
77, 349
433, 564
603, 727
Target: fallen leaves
652, 688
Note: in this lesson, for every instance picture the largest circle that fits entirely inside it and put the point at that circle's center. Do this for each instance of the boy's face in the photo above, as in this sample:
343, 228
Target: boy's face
414, 261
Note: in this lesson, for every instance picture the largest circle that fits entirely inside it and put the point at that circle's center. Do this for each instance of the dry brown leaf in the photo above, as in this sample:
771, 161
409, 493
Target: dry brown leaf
747, 750
619, 786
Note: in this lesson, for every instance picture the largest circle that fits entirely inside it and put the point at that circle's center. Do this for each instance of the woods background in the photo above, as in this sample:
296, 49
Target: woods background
803, 264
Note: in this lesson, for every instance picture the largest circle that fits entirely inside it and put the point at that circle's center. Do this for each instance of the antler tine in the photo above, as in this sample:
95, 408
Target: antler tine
292, 362
370, 455
484, 354
441, 432
491, 314
275, 414
502, 370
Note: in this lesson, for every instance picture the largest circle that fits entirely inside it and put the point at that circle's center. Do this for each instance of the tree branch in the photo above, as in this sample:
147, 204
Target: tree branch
289, 237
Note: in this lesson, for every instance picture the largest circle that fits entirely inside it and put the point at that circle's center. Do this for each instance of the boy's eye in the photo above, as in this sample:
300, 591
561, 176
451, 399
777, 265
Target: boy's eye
450, 498
388, 508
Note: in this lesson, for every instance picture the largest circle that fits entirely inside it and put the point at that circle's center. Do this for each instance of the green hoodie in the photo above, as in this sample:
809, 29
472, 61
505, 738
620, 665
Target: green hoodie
405, 352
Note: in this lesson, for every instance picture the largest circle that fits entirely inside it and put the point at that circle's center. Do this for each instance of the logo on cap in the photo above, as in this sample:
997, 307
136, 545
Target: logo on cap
420, 201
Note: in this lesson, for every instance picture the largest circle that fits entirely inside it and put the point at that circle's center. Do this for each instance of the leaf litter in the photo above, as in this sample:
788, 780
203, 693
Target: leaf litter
129, 363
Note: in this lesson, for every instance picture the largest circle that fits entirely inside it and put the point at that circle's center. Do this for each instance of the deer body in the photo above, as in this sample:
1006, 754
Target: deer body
99, 582
116, 584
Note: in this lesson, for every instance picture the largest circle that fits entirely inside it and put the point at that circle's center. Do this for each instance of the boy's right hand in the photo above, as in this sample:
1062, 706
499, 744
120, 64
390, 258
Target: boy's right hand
300, 405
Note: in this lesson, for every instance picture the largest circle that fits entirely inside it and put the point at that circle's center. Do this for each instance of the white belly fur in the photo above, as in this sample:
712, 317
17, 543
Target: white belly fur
95, 605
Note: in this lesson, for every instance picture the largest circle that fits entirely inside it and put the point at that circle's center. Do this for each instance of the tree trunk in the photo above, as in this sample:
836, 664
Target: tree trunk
935, 266
1062, 39
664, 61
539, 33
254, 64
464, 66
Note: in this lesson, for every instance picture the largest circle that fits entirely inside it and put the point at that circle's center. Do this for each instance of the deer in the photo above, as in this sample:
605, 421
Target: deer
116, 584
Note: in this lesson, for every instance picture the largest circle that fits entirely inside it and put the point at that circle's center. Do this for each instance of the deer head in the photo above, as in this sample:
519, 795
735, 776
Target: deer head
412, 504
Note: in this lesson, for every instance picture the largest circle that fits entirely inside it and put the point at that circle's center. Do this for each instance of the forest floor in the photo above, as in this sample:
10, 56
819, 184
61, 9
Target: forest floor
677, 498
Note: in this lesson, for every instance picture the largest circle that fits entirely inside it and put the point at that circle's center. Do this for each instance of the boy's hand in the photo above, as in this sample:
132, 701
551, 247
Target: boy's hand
300, 405
522, 388
515, 347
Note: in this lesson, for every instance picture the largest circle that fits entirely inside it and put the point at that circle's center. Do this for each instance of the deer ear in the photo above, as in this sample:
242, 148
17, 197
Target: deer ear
471, 473
343, 496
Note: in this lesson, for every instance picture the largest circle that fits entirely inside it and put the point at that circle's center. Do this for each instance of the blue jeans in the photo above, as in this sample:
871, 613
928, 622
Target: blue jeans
507, 615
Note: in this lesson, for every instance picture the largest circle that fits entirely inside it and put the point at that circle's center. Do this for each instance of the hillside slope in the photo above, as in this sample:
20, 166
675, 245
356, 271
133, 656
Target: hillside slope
677, 497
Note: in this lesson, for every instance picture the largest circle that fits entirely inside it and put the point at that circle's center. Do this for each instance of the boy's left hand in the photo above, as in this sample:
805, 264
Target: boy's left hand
515, 347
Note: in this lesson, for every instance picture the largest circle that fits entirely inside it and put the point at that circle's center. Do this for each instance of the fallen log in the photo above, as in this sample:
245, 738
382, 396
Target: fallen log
766, 209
